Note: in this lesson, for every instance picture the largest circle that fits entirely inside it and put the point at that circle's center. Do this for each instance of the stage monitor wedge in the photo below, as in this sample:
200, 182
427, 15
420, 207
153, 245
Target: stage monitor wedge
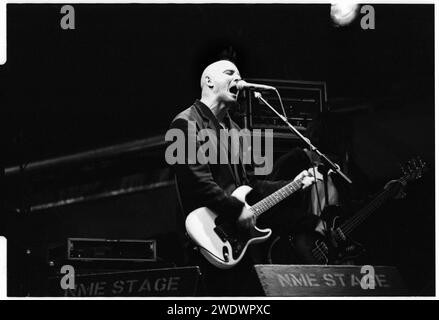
329, 281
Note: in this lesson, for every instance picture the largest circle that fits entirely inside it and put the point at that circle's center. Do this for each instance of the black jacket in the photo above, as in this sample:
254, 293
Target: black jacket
210, 185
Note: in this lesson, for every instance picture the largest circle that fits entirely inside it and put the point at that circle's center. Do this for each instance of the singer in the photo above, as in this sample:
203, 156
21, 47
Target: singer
210, 185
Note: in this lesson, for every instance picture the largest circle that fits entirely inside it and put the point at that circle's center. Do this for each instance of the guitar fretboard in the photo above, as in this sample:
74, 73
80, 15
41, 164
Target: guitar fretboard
356, 220
277, 196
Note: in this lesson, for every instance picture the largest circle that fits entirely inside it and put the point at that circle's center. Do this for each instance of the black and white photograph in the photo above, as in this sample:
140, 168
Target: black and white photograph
219, 150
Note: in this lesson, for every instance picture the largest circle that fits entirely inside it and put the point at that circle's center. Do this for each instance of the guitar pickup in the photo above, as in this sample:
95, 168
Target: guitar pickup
221, 234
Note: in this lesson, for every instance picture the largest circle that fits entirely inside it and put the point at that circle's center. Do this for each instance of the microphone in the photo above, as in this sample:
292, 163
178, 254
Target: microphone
241, 84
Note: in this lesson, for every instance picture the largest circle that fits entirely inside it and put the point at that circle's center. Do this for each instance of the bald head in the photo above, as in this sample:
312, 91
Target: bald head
215, 70
218, 84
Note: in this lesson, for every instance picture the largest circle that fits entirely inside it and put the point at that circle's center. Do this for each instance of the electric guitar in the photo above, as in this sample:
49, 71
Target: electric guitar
223, 243
336, 247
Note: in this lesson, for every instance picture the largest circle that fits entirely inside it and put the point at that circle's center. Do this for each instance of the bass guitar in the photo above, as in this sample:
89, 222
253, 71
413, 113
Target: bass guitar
336, 246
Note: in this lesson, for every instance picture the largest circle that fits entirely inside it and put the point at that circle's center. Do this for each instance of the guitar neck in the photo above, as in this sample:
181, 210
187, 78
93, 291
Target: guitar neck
361, 215
277, 196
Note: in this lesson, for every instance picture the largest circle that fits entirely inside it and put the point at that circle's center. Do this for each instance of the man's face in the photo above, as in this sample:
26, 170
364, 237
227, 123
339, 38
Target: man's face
223, 77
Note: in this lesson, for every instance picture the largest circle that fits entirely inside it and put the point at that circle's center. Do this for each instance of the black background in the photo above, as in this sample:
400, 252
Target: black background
127, 70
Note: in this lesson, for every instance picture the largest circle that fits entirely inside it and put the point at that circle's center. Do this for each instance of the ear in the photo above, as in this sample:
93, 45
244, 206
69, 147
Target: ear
209, 81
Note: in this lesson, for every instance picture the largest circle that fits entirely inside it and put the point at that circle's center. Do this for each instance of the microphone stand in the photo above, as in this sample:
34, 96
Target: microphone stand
327, 162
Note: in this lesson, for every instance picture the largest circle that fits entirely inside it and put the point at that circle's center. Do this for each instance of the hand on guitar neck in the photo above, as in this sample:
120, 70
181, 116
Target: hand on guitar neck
307, 177
412, 170
247, 218
400, 194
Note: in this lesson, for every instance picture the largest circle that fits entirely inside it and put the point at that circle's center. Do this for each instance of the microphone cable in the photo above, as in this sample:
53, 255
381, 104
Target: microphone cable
281, 103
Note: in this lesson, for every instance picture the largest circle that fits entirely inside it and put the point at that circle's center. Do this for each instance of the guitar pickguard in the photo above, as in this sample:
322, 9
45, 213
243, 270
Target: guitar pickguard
237, 237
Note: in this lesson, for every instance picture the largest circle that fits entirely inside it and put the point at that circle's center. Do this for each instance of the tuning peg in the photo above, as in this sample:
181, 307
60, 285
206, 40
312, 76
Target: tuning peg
403, 169
422, 163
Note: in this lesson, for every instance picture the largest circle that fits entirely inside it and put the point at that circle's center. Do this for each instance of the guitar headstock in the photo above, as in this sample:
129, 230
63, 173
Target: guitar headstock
413, 169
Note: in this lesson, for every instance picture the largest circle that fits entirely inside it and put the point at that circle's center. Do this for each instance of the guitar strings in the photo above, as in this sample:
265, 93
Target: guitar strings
318, 251
274, 198
351, 224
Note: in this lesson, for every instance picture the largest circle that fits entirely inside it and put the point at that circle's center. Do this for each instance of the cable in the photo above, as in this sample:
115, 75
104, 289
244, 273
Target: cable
281, 103
270, 249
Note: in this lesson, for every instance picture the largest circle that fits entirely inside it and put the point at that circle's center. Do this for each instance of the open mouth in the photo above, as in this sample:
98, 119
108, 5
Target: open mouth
233, 90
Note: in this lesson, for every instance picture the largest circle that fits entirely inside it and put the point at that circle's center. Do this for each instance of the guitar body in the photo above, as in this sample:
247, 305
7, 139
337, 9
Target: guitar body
223, 243
334, 248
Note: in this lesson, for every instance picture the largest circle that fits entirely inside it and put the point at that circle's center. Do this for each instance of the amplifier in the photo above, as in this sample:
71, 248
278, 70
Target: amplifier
302, 101
87, 249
